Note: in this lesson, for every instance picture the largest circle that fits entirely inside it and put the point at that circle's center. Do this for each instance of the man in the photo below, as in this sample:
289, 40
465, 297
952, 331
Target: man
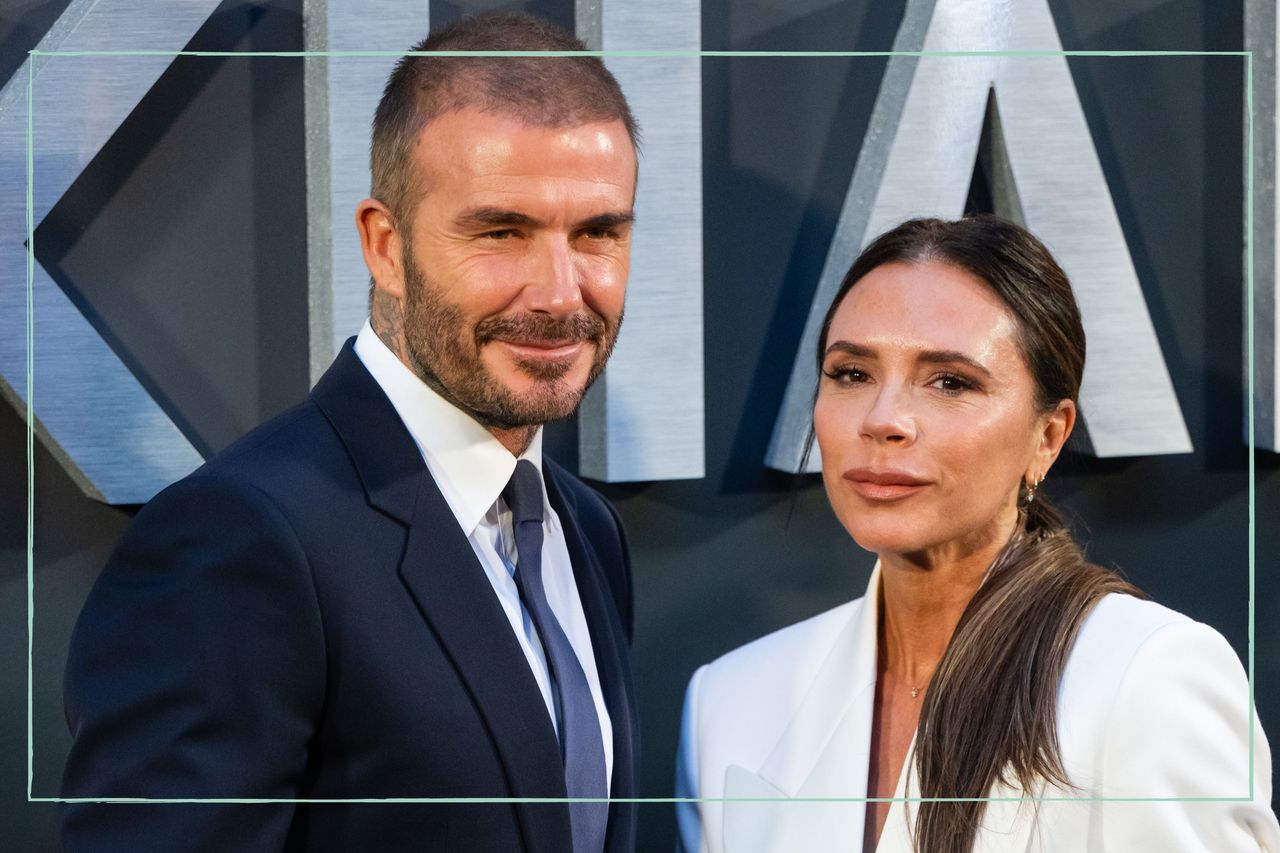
387, 592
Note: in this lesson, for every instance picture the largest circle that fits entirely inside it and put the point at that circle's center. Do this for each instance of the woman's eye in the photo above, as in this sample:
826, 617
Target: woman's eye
845, 375
951, 384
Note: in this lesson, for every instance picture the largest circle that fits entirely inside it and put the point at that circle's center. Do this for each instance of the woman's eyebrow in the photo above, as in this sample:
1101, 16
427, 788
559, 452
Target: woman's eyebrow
931, 356
850, 348
948, 356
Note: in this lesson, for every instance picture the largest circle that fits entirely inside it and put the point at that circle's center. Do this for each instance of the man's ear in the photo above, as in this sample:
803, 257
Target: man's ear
1055, 428
382, 246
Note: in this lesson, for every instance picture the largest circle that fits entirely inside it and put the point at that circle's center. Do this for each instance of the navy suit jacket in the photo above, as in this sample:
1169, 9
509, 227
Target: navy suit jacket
303, 619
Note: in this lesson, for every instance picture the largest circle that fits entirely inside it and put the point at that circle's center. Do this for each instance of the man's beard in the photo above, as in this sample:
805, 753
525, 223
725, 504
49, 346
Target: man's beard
450, 364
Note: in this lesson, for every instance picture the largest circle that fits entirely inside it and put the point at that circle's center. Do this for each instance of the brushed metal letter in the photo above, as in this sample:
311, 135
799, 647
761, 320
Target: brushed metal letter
917, 160
1260, 37
89, 409
644, 418
341, 94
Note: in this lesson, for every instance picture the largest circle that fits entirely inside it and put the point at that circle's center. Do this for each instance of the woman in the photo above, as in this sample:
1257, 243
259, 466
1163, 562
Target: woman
988, 659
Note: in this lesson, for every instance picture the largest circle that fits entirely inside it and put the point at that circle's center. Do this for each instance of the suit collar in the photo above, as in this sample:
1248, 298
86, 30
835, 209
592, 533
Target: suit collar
382, 451
444, 579
441, 573
469, 464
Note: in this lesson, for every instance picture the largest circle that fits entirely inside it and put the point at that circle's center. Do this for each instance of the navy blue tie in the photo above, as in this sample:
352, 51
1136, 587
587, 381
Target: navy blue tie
580, 742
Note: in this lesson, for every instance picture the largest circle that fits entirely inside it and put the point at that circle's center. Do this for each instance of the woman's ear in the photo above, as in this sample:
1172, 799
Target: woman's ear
1054, 429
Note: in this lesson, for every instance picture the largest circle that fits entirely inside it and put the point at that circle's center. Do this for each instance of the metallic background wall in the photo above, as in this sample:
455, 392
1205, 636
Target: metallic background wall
186, 237
129, 447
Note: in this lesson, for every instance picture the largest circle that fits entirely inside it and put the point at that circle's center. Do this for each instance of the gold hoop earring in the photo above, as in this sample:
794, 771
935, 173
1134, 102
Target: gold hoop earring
1031, 489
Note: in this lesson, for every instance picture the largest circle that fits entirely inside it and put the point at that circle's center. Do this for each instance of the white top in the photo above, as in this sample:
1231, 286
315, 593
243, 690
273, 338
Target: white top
471, 468
1152, 706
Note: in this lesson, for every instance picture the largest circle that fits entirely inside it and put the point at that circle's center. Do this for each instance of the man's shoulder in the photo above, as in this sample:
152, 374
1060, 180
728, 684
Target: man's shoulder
298, 439
294, 456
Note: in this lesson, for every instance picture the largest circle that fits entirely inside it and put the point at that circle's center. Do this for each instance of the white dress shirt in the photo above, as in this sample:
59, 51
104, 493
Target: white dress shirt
471, 467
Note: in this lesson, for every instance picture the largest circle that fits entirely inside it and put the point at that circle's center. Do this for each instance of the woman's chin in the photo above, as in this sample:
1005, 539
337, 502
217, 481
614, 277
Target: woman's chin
891, 542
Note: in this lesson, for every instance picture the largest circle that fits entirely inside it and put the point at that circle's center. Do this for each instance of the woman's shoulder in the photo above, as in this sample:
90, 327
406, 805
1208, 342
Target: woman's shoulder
740, 704
1126, 621
790, 654
760, 685
1124, 637
1120, 629
1136, 659
1156, 707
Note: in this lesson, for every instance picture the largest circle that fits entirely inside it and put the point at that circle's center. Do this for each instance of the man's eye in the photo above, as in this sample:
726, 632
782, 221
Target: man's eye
499, 234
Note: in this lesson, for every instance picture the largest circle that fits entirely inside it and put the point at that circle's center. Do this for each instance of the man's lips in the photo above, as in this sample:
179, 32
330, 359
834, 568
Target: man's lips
884, 484
540, 349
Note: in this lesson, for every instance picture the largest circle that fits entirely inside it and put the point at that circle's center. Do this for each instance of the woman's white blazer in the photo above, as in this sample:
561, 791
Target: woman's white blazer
1155, 723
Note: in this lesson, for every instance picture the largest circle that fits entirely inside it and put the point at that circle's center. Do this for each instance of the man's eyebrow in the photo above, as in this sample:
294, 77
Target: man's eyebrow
479, 218
931, 356
607, 220
492, 217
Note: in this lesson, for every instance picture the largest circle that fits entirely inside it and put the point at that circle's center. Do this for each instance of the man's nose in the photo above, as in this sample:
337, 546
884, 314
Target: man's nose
553, 284
889, 420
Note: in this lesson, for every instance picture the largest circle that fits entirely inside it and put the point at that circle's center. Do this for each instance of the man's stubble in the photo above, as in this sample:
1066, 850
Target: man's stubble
446, 356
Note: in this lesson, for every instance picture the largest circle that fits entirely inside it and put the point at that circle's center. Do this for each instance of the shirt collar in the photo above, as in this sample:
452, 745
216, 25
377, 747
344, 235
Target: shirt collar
470, 466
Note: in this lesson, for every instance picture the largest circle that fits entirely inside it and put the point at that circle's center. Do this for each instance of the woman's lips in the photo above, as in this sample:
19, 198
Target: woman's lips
884, 484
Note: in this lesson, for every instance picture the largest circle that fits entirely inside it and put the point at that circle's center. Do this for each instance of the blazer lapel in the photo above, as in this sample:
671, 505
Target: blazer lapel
613, 663
898, 823
823, 755
442, 574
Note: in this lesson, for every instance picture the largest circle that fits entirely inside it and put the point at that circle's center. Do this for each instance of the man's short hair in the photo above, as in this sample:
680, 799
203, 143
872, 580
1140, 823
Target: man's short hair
537, 90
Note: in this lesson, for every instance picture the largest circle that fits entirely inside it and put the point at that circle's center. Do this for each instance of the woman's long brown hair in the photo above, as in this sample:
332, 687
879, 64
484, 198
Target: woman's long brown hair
990, 713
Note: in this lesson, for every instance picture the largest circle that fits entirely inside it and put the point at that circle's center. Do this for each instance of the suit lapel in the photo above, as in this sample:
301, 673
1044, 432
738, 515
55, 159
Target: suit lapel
612, 659
447, 582
442, 574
